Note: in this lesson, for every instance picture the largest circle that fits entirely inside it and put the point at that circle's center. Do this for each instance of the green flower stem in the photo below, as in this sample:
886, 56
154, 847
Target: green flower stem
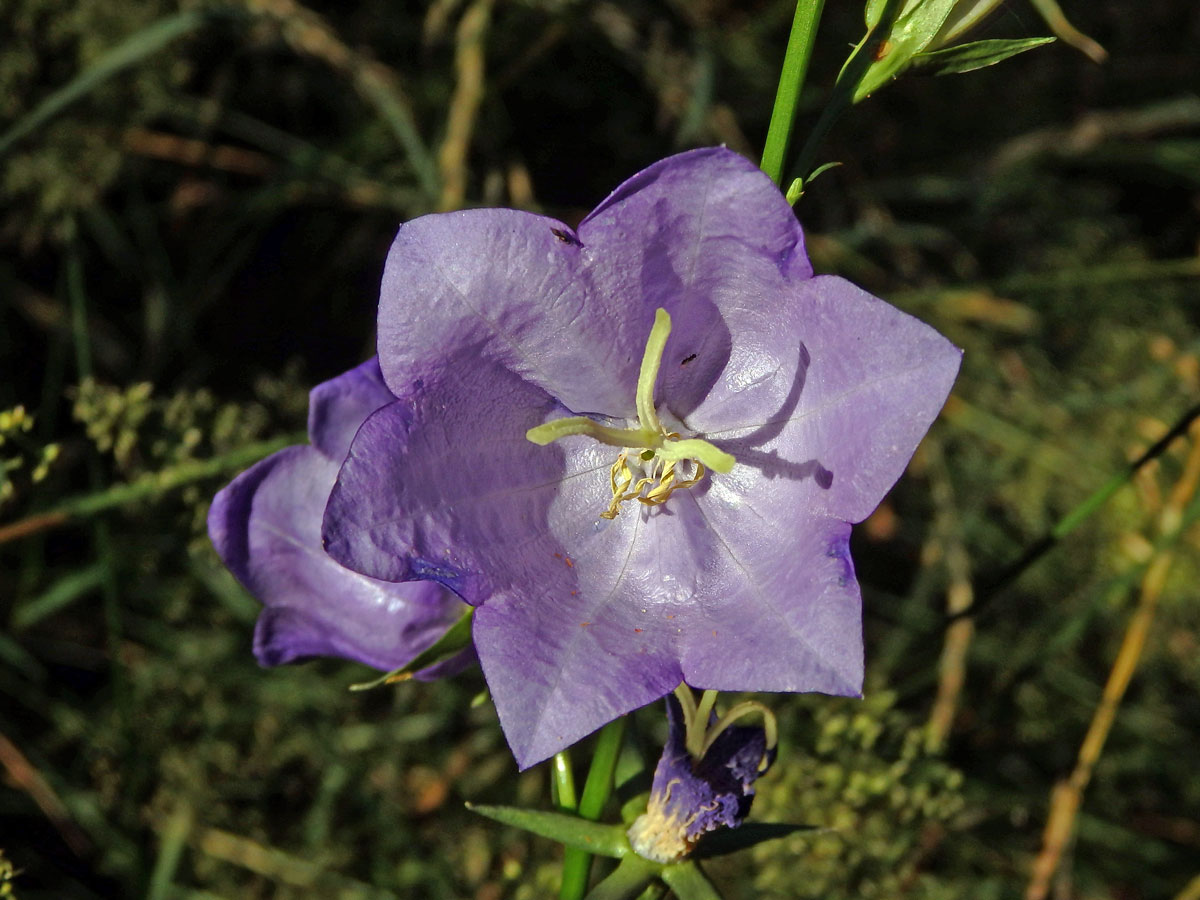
565, 828
791, 83
563, 782
599, 785
698, 726
687, 700
631, 878
688, 880
146, 487
577, 864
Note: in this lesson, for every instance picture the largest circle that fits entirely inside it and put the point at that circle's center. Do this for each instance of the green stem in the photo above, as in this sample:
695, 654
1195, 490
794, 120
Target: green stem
687, 700
577, 864
699, 725
599, 785
146, 486
564, 781
688, 880
631, 878
791, 83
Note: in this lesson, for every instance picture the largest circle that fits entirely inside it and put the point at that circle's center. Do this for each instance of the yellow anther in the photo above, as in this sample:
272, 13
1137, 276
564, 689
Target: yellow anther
620, 477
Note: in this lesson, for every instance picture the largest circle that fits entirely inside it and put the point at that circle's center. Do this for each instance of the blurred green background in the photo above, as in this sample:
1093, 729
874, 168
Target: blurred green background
197, 239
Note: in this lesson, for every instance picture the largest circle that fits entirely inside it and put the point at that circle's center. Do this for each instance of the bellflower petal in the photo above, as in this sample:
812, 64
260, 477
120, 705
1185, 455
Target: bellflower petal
512, 285
591, 602
704, 233
836, 429
266, 526
336, 408
689, 798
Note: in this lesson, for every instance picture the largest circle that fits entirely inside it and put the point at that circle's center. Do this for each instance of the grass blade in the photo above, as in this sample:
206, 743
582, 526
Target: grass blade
129, 52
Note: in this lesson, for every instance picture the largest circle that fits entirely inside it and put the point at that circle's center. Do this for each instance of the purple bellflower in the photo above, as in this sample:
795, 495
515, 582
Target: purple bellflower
693, 794
637, 447
266, 526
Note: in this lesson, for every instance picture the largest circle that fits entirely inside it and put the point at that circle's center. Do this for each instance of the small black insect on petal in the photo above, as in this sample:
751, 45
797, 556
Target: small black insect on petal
687, 359
565, 236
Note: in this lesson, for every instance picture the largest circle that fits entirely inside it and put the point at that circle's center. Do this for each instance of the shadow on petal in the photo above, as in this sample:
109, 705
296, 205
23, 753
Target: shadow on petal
700, 343
770, 463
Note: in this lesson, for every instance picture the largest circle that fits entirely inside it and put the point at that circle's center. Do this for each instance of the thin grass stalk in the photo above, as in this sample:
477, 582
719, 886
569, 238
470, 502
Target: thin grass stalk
1068, 795
470, 68
145, 487
947, 543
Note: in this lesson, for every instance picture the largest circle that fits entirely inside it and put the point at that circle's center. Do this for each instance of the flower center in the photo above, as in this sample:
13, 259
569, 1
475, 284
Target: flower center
666, 462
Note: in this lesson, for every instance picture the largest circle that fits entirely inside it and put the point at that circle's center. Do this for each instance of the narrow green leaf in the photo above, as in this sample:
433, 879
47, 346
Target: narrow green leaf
731, 840
129, 52
1067, 32
824, 167
173, 842
145, 487
595, 838
975, 55
910, 33
689, 882
798, 186
965, 16
456, 638
627, 880
13, 654
874, 10
62, 593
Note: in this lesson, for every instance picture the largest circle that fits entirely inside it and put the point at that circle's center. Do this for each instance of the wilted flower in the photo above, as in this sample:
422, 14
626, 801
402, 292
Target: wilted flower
266, 526
684, 514
691, 796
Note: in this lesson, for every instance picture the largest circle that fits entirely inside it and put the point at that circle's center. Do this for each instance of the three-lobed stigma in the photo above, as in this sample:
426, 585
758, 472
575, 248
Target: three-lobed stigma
666, 462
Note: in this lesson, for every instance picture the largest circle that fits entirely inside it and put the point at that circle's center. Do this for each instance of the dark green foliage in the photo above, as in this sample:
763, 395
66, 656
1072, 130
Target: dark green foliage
194, 243
859, 773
